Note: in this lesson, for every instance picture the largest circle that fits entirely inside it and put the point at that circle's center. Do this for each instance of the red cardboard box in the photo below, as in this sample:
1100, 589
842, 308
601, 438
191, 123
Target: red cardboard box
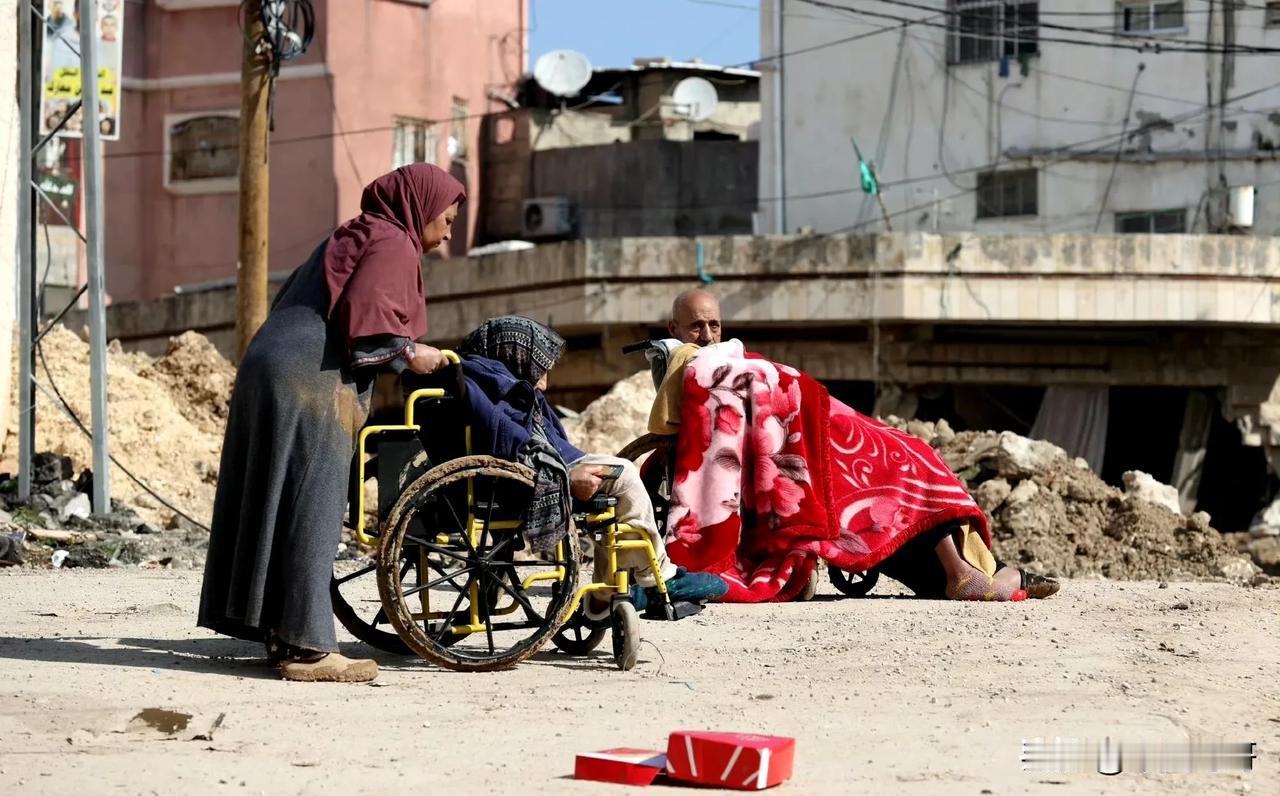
739, 761
623, 766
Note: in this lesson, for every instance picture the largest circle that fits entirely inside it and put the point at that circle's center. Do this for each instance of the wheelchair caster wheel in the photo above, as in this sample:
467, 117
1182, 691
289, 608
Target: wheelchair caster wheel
579, 635
810, 588
626, 634
853, 584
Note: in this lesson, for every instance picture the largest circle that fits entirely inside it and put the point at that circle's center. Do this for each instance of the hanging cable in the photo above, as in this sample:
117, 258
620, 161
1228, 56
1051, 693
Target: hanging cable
288, 26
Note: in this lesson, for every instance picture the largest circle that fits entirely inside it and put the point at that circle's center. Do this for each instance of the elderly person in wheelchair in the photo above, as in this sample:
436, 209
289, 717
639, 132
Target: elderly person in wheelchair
769, 475
505, 357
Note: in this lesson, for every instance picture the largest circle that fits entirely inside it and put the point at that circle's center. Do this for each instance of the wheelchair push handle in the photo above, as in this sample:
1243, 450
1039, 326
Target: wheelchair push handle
633, 348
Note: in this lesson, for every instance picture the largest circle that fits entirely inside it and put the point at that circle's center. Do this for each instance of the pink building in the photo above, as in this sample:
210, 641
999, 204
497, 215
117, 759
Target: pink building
384, 83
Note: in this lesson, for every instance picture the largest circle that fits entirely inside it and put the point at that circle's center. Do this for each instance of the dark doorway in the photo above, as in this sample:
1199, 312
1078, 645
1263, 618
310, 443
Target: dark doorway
1143, 428
1236, 481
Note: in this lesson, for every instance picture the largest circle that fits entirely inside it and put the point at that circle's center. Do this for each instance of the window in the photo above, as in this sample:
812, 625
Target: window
1152, 222
988, 30
413, 141
1007, 193
1148, 17
1273, 14
202, 152
458, 129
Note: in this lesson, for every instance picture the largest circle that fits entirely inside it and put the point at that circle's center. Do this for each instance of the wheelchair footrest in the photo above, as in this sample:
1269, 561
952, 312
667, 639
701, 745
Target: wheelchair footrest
673, 611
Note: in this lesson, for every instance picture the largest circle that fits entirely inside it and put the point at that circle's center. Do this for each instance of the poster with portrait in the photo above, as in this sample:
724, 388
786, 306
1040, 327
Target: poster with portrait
61, 68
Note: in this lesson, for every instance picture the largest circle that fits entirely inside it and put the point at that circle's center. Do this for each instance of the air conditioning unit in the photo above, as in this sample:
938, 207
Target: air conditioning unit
550, 217
1240, 206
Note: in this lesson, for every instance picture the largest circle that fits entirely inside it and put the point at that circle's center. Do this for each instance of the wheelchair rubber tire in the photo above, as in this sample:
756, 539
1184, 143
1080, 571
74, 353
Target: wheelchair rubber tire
853, 584
415, 498
626, 634
810, 589
369, 633
576, 637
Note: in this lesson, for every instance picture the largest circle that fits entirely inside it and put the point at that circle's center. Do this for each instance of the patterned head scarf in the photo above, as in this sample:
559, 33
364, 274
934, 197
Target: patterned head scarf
526, 347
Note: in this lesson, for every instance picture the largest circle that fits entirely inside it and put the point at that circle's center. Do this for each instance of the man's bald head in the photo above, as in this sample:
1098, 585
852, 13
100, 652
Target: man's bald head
695, 318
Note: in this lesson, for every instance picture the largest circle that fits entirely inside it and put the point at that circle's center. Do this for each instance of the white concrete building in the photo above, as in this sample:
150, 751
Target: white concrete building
1057, 116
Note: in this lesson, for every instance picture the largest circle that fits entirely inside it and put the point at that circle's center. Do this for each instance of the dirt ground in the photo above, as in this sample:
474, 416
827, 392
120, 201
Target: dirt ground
884, 695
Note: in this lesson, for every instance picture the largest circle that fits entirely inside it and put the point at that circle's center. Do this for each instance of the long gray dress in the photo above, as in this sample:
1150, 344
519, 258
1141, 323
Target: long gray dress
296, 411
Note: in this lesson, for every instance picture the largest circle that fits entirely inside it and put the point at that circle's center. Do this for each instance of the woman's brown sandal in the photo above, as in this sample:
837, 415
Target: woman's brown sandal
1037, 587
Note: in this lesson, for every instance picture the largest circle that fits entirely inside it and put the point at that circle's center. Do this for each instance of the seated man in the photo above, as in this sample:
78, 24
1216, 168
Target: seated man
506, 362
772, 474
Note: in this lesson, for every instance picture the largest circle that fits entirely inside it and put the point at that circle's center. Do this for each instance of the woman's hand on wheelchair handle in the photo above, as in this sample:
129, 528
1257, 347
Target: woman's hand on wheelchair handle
585, 481
426, 359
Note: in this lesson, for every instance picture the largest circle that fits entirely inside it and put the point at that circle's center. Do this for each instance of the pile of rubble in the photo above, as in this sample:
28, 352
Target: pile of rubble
166, 417
1051, 514
57, 527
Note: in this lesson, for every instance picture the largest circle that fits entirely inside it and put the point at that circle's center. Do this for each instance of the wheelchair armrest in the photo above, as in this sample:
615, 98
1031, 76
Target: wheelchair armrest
596, 505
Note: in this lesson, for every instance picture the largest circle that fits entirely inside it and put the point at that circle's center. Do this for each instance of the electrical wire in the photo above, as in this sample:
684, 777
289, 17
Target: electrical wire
1115, 164
1154, 47
70, 413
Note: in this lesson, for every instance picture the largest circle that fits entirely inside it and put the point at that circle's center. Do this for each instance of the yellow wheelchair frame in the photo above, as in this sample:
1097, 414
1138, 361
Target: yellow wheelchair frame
600, 523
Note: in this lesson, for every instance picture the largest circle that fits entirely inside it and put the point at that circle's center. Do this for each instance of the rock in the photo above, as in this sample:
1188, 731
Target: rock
145, 528
991, 494
84, 482
1023, 492
78, 506
943, 433
1267, 521
921, 430
10, 552
1240, 570
1140, 486
1081, 463
1019, 457
1265, 552
40, 502
49, 467
5, 518
98, 555
180, 523
1200, 522
57, 489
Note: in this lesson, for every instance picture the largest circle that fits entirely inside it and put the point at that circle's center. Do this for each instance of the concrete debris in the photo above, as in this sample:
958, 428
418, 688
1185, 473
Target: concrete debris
166, 418
616, 418
1141, 486
1267, 521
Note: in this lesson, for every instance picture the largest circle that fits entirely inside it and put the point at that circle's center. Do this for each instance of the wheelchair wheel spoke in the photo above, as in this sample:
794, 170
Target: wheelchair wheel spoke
446, 624
358, 573
446, 578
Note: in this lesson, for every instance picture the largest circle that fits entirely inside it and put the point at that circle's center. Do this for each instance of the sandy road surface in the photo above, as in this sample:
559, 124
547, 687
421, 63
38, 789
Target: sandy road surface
883, 695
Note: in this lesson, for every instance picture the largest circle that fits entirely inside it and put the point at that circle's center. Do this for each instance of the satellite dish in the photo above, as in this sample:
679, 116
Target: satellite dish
695, 98
562, 72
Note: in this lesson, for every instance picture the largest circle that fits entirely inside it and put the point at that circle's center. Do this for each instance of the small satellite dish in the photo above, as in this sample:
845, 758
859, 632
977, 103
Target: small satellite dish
695, 98
562, 72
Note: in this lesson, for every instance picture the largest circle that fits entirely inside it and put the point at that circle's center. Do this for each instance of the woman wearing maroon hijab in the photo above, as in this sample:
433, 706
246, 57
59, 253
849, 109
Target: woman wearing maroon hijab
355, 308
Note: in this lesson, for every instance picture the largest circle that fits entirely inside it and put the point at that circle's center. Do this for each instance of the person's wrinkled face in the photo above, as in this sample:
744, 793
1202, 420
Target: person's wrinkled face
697, 321
439, 229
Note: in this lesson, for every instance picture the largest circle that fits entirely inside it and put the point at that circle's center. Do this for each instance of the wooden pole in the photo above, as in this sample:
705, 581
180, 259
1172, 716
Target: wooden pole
251, 279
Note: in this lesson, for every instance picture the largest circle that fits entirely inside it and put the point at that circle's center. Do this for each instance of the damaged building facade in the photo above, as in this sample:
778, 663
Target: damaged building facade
623, 158
1130, 129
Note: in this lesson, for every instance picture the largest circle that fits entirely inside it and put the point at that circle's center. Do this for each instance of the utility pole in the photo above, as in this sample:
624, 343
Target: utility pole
251, 279
92, 154
28, 90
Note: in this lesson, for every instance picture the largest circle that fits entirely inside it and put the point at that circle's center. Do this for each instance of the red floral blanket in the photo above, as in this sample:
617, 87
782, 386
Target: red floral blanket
773, 474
